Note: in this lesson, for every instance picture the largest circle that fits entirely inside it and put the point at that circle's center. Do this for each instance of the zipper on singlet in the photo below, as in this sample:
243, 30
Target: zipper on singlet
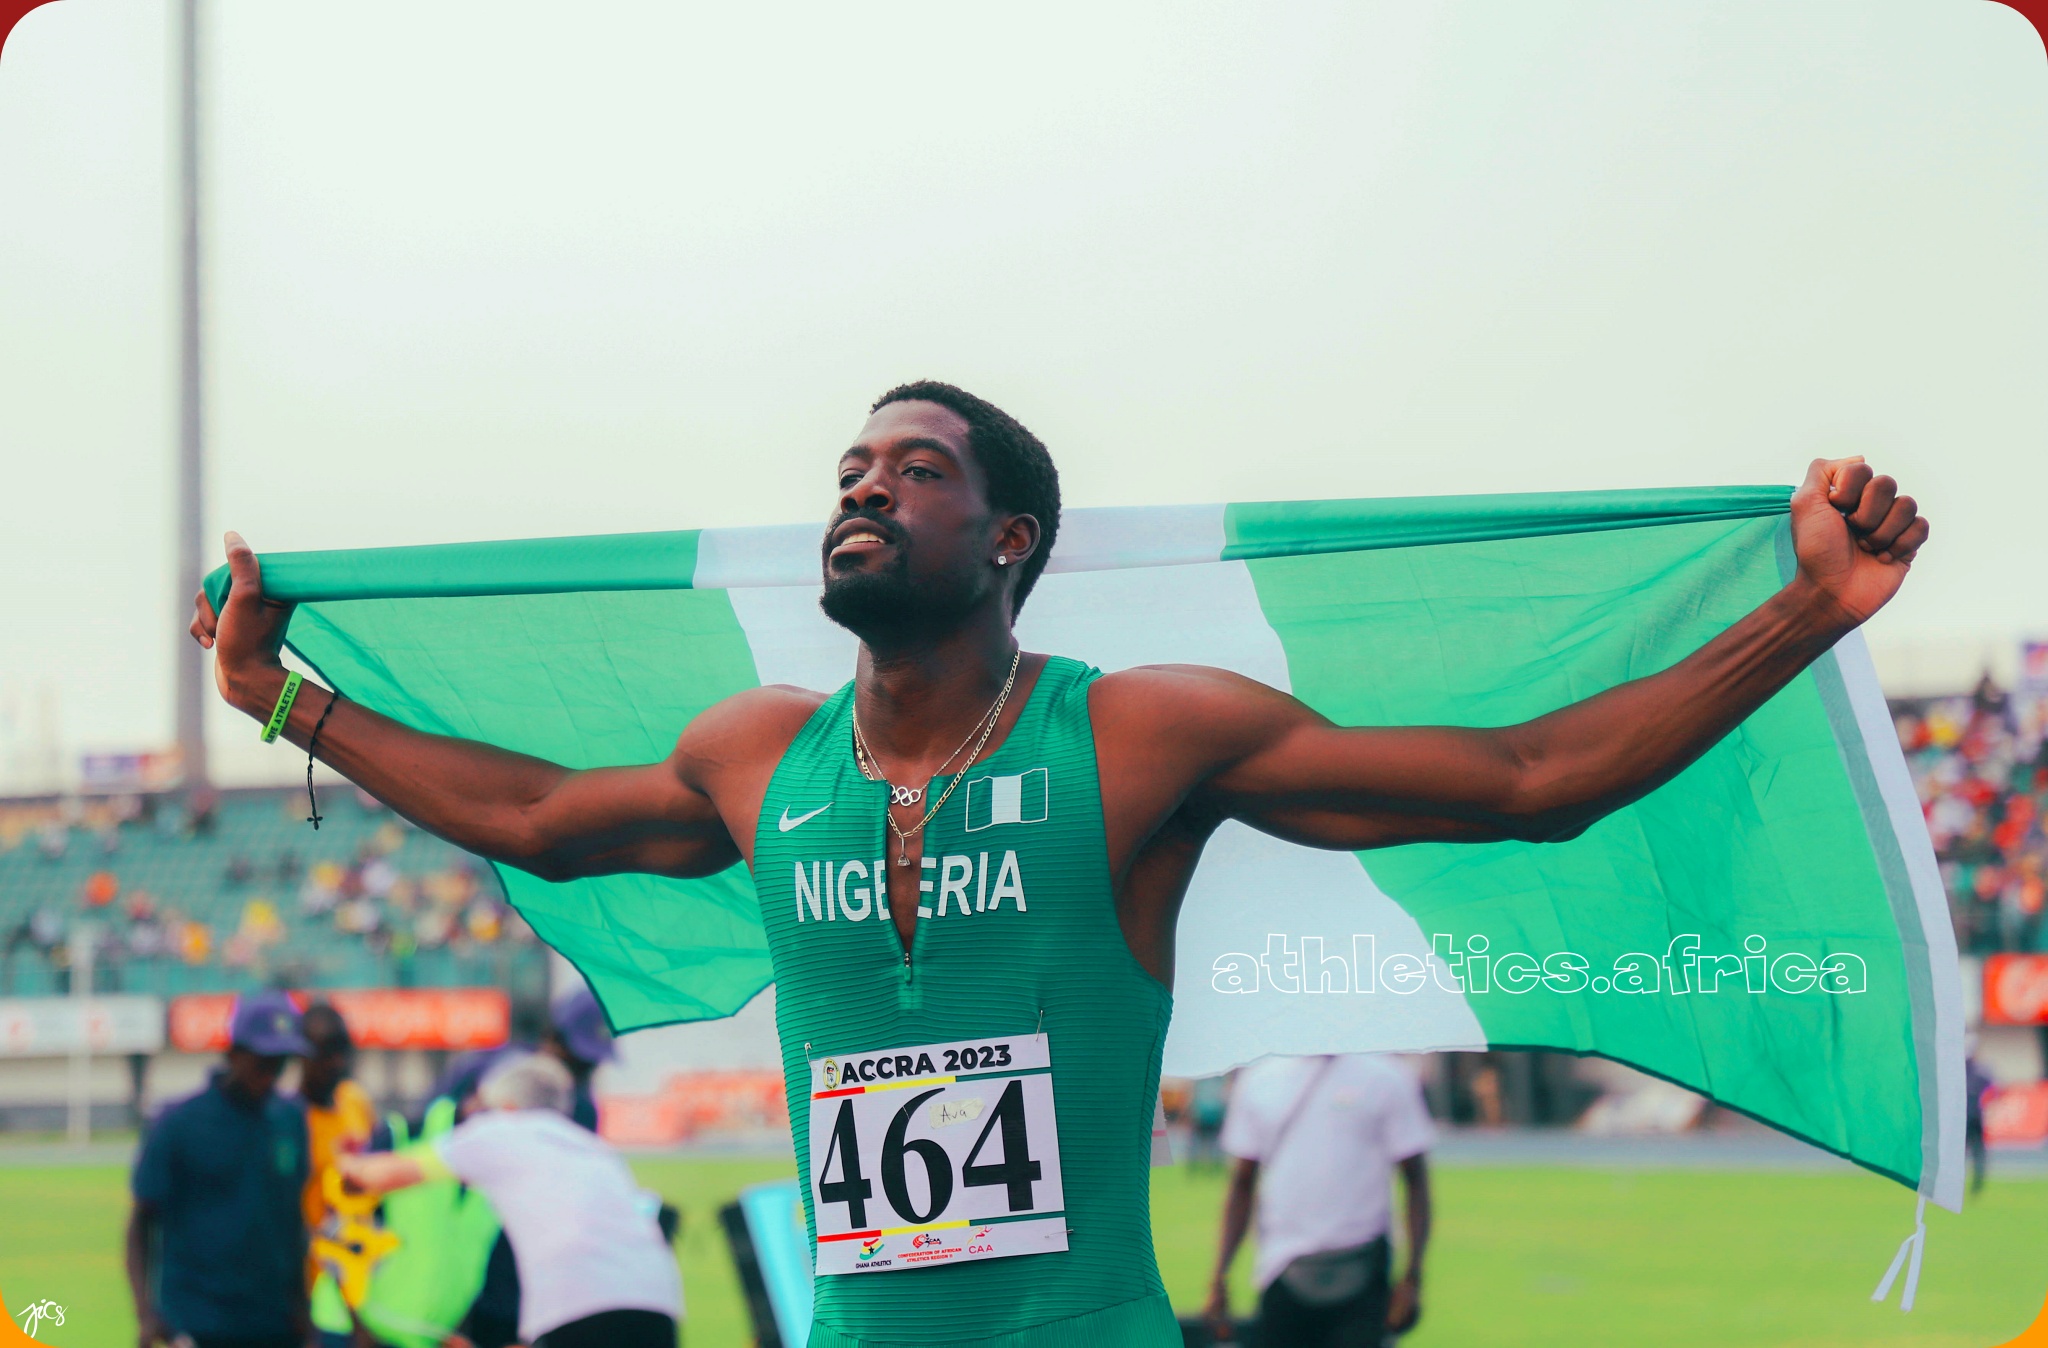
908, 989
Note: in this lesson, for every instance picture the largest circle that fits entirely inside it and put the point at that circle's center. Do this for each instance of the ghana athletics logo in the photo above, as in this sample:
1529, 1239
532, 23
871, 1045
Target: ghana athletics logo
869, 1249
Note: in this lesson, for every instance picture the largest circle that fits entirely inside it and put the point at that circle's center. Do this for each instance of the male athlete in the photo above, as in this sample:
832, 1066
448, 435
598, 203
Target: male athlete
1026, 921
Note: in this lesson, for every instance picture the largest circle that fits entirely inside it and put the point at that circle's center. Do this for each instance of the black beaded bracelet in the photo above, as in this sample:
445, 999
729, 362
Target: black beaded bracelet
312, 744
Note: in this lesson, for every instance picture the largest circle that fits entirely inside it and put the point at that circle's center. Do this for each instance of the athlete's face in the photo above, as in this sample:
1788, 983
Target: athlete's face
913, 543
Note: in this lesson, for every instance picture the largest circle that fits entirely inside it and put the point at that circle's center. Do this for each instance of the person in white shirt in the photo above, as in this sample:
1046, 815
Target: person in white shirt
1316, 1141
594, 1269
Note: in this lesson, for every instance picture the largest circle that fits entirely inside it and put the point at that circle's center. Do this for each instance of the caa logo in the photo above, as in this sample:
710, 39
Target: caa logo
928, 1238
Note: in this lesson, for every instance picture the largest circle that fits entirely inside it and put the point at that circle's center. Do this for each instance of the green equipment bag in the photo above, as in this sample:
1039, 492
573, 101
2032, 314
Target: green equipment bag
420, 1293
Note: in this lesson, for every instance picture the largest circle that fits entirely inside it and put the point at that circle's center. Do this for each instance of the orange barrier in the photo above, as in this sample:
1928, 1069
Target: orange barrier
2016, 989
2016, 1115
385, 1018
694, 1103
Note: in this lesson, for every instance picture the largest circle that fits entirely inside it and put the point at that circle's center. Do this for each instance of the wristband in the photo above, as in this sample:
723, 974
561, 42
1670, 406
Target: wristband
275, 725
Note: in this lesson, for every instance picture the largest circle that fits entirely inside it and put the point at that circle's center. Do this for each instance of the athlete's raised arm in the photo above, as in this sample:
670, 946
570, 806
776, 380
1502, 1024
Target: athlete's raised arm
556, 822
1255, 754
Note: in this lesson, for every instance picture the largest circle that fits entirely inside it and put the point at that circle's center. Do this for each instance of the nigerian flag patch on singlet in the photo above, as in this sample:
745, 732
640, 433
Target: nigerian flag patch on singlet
1768, 929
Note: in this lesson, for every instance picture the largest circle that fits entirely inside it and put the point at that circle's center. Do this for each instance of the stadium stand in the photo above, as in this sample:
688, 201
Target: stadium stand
1980, 762
235, 891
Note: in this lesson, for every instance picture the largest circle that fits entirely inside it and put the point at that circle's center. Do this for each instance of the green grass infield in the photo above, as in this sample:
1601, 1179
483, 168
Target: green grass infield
1523, 1257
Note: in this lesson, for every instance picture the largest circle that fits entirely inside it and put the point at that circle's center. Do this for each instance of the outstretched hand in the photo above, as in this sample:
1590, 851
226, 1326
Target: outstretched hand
246, 635
1855, 535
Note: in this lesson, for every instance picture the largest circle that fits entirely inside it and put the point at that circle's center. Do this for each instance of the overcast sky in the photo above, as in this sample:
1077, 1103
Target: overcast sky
474, 272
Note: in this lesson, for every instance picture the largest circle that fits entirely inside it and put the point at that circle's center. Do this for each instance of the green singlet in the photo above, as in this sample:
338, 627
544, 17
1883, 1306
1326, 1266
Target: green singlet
1018, 959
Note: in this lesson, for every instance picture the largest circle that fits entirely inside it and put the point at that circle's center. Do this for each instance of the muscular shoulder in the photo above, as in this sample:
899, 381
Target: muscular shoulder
745, 729
1209, 710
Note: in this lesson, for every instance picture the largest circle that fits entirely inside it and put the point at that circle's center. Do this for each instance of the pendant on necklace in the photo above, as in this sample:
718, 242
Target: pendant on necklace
906, 795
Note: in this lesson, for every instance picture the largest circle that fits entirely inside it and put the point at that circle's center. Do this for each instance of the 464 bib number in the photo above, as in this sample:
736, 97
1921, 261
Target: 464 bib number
934, 1154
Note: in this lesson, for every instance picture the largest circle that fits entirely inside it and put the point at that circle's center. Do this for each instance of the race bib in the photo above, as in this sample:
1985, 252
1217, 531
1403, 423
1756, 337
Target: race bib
935, 1154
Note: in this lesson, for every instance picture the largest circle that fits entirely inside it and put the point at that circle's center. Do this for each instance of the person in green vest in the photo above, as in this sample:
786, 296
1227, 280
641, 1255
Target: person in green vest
969, 859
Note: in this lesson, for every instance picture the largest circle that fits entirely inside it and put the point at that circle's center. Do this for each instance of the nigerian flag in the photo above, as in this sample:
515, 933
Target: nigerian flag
1767, 929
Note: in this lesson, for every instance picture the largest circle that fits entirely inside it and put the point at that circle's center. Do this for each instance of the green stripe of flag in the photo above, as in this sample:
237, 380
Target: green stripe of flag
1294, 528
648, 561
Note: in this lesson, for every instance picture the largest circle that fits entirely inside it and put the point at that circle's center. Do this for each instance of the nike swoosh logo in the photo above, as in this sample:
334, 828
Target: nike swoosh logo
787, 823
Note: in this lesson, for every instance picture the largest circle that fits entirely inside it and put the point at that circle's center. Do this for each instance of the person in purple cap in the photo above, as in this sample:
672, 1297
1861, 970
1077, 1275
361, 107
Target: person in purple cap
579, 1036
216, 1239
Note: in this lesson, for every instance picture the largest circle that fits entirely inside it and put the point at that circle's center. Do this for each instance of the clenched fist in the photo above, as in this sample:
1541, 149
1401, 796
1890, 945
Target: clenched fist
1854, 534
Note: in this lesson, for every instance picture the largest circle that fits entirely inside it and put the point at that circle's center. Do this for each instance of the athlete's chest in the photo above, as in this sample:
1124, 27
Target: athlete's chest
994, 859
828, 857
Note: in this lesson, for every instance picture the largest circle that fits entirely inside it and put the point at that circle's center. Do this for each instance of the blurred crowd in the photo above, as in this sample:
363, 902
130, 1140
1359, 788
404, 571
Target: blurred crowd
231, 886
1980, 763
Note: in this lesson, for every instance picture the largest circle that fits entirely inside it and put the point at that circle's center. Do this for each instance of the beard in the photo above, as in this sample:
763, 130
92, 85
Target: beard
891, 601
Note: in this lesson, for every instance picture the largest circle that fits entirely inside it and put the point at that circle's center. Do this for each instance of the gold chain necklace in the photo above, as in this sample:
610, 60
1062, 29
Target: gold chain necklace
870, 768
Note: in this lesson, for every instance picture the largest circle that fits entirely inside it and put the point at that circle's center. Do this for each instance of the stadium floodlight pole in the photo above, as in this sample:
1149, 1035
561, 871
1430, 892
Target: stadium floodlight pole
190, 569
78, 1113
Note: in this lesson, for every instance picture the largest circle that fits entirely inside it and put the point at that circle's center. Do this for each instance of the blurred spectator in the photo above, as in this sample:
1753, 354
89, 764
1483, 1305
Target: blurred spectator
577, 1036
339, 1120
378, 877
1975, 1083
1978, 763
145, 939
216, 1239
596, 1270
202, 809
579, 1039
1209, 1099
46, 928
1317, 1141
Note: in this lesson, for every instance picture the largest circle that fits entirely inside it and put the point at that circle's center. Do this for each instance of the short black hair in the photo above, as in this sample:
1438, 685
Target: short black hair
324, 1028
1020, 473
